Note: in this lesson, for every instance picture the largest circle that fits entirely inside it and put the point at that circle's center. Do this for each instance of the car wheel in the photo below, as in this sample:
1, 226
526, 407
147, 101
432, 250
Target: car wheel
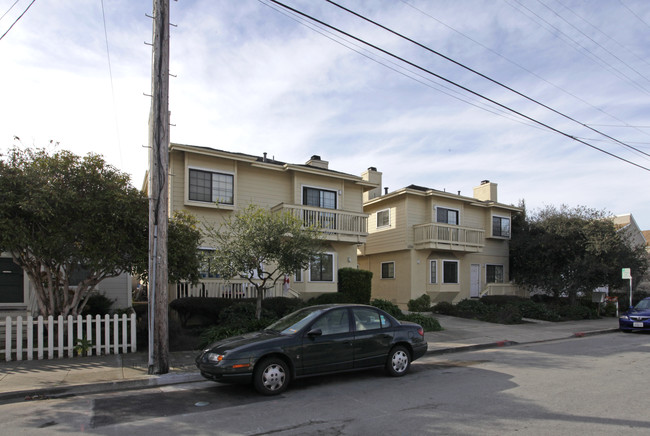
399, 361
271, 376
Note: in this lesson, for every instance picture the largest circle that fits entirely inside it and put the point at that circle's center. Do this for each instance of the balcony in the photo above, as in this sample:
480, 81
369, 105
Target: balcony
335, 224
438, 236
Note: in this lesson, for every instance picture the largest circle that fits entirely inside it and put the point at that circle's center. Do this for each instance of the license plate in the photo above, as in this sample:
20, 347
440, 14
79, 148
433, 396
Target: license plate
637, 324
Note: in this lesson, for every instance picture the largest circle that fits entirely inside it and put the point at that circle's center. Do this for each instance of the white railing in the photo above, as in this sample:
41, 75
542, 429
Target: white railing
234, 289
38, 338
504, 289
446, 236
333, 223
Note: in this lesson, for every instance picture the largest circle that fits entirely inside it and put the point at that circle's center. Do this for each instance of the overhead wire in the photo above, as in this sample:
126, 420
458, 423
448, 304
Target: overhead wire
464, 88
17, 19
394, 66
9, 10
554, 85
496, 82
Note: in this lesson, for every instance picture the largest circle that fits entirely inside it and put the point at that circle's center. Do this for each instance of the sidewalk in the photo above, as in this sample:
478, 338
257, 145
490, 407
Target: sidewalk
40, 379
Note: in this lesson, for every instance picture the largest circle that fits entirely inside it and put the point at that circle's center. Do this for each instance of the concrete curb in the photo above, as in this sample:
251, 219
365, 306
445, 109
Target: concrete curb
97, 388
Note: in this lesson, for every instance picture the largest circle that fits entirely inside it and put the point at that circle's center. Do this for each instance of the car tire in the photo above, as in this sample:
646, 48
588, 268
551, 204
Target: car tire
271, 376
399, 361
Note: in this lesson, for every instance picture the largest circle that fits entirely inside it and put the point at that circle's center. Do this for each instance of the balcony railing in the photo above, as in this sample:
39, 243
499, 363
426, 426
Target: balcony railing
234, 289
448, 237
336, 224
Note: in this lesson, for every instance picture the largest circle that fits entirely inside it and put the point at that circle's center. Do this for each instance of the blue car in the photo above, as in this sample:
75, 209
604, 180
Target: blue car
636, 318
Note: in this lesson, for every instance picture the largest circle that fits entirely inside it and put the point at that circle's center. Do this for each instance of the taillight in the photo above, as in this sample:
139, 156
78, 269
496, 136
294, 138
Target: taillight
421, 331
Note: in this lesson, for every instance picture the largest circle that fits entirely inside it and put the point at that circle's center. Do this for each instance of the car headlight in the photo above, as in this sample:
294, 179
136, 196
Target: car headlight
214, 357
625, 317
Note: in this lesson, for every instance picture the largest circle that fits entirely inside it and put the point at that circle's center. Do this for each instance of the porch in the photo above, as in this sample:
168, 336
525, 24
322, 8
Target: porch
335, 224
438, 236
237, 289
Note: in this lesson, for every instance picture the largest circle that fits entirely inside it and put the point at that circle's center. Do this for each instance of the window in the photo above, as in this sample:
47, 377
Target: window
298, 276
388, 270
319, 198
369, 319
433, 267
206, 270
211, 187
383, 218
501, 226
447, 216
323, 199
494, 273
321, 269
333, 322
449, 271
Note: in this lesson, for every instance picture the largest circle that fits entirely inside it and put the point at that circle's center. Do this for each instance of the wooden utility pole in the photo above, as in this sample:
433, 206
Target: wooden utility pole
158, 193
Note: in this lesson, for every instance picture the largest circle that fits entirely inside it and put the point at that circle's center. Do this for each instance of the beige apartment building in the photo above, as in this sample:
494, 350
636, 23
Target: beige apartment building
214, 184
449, 246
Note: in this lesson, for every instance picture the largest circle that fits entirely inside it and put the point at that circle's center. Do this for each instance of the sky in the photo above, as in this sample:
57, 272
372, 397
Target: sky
248, 76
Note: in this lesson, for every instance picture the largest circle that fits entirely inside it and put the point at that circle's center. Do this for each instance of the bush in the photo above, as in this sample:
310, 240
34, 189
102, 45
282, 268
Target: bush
502, 300
387, 307
508, 314
356, 283
281, 306
471, 309
206, 308
428, 323
98, 304
530, 309
444, 308
217, 332
330, 298
420, 304
242, 315
576, 312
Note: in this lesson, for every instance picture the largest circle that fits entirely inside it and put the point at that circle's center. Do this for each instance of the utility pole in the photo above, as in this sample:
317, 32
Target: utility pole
158, 193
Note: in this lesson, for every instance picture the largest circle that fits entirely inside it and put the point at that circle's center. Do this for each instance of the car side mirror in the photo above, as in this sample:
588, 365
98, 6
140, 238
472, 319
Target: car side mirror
314, 332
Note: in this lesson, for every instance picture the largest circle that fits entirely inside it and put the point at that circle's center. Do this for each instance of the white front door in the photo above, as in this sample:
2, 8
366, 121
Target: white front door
475, 280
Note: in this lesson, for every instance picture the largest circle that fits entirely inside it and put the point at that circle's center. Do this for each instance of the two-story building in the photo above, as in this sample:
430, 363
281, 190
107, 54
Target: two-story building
214, 184
446, 245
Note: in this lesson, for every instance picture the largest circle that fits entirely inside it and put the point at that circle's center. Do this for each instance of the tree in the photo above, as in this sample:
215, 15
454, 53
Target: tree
62, 216
262, 246
570, 252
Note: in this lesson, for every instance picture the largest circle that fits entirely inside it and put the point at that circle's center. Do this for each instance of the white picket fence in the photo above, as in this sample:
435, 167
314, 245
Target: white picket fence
38, 338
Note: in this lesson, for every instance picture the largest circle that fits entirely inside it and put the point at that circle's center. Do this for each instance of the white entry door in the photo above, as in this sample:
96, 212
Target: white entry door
475, 280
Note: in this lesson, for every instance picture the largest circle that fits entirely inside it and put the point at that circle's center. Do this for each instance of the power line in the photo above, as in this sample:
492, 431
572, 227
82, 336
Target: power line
17, 19
496, 82
110, 73
9, 10
456, 84
526, 69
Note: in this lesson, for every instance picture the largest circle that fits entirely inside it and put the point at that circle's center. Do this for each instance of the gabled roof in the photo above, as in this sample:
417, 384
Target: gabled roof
271, 164
430, 192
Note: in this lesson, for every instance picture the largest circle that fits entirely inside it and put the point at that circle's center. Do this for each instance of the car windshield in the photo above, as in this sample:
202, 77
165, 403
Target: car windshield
643, 304
293, 322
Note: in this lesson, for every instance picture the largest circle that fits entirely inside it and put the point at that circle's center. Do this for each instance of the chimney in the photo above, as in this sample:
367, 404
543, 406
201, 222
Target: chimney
264, 160
317, 162
372, 176
487, 191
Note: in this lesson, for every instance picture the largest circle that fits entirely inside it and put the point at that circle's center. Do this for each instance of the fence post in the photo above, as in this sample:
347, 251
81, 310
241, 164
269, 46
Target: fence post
116, 334
40, 338
98, 334
107, 333
8, 339
134, 345
124, 334
50, 337
19, 338
89, 333
30, 337
61, 333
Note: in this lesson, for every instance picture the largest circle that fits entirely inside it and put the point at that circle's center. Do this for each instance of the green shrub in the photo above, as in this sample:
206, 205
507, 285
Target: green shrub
387, 307
420, 304
356, 283
217, 332
471, 309
242, 315
508, 314
576, 312
281, 306
530, 309
330, 298
428, 323
98, 304
444, 308
206, 308
502, 300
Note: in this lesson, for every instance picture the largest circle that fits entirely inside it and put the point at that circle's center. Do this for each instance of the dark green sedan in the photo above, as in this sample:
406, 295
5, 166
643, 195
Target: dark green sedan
312, 341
